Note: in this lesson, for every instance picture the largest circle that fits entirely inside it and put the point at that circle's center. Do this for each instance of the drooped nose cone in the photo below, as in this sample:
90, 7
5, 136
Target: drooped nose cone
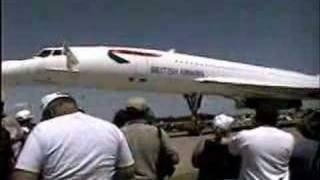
18, 72
12, 72
11, 69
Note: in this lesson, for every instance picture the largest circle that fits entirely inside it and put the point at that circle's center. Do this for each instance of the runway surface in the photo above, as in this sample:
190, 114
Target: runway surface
185, 146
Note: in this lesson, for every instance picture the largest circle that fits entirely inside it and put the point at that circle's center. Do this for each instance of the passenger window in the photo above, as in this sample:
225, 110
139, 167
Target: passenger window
57, 53
44, 53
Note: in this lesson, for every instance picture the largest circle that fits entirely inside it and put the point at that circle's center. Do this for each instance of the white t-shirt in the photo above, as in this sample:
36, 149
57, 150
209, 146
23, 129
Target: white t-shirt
265, 153
75, 146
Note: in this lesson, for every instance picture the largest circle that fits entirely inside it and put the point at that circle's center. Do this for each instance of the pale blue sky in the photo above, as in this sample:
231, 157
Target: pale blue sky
279, 33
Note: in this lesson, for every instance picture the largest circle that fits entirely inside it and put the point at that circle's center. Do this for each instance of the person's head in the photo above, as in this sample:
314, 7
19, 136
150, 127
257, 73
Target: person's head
121, 118
24, 117
266, 116
57, 104
310, 125
221, 124
136, 108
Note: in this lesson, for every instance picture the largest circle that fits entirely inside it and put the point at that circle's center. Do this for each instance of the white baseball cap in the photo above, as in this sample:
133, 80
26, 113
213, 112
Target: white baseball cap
222, 122
24, 115
138, 103
47, 99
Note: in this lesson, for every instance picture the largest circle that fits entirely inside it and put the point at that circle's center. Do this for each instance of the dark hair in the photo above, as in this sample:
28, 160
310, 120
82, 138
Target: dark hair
134, 113
310, 125
267, 116
121, 118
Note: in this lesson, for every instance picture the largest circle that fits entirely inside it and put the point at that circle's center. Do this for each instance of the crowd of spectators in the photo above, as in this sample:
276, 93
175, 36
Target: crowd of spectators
68, 143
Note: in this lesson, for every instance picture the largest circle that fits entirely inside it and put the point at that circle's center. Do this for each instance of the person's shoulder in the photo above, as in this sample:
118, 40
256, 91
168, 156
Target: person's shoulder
99, 121
141, 124
102, 125
281, 135
146, 129
245, 133
51, 123
90, 117
288, 136
305, 142
282, 132
64, 120
265, 129
153, 127
42, 130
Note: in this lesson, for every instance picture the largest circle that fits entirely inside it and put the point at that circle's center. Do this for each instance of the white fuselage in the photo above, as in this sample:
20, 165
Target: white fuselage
122, 68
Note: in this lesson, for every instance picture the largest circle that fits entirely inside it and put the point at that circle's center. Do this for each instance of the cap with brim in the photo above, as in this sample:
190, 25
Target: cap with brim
222, 122
138, 103
46, 100
24, 115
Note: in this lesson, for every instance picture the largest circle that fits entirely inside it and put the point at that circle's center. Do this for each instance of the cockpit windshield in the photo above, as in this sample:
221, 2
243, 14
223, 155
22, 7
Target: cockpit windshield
50, 52
44, 53
57, 53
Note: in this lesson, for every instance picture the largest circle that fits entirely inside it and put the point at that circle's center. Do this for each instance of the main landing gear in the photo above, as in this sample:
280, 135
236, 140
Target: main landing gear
194, 103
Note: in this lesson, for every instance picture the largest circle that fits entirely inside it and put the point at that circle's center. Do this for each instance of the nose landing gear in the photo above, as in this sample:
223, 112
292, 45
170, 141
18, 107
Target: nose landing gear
194, 101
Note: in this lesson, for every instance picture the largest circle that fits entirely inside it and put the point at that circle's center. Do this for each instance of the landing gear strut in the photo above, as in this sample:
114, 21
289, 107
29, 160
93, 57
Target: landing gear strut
194, 103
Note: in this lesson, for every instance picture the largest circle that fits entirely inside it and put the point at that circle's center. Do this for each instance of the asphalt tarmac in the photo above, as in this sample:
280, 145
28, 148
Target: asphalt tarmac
185, 146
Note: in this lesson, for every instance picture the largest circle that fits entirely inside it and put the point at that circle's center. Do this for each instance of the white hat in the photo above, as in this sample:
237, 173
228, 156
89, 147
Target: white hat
47, 99
24, 115
223, 122
138, 103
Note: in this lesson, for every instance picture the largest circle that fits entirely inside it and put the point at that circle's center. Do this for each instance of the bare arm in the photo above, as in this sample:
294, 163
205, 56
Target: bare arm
125, 173
24, 175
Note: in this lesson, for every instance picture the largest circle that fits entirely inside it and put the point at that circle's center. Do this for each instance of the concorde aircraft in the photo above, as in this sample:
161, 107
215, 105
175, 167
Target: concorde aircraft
123, 68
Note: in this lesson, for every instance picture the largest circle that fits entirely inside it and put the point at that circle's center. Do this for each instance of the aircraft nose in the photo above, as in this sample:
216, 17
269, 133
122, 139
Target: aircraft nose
13, 72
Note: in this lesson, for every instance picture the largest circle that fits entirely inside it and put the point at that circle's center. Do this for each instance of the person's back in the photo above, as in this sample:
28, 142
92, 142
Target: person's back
305, 160
77, 146
214, 161
147, 143
6, 154
144, 143
69, 144
211, 155
265, 153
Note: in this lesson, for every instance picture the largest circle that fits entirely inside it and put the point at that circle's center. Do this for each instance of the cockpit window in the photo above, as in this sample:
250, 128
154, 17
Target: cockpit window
57, 53
44, 53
